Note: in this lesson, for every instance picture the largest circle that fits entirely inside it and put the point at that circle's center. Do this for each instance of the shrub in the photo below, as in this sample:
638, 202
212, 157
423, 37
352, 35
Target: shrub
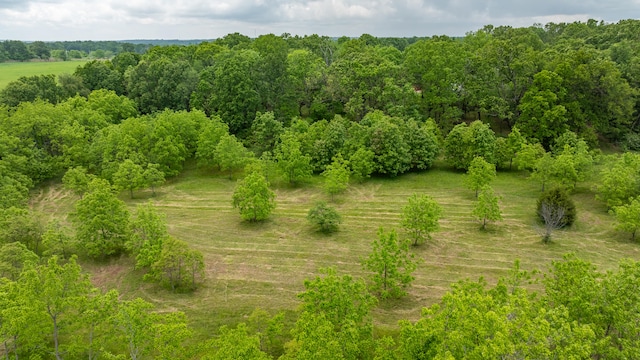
325, 217
554, 201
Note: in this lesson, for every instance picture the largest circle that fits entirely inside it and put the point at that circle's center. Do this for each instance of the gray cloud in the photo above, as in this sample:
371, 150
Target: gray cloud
126, 19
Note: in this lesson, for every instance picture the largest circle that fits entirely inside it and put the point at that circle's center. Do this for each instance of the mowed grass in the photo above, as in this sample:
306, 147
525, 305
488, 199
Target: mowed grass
264, 265
12, 71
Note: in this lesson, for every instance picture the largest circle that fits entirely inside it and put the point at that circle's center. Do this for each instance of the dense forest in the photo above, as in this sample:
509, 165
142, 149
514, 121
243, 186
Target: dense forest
542, 100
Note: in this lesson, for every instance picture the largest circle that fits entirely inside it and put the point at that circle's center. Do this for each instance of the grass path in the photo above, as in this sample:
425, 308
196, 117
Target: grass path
264, 265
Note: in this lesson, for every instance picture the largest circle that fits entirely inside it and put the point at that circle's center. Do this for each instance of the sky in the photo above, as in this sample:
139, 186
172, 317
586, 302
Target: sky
53, 20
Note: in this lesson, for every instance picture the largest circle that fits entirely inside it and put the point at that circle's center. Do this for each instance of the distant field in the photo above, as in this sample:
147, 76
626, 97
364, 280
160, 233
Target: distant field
264, 265
12, 71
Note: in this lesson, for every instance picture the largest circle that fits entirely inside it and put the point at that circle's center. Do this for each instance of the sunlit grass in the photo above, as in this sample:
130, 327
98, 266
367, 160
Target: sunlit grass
264, 265
14, 70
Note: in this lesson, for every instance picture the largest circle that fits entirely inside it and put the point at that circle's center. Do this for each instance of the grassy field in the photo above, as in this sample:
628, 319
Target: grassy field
264, 265
12, 71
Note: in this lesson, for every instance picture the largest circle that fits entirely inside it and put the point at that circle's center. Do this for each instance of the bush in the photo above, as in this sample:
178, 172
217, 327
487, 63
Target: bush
325, 217
556, 200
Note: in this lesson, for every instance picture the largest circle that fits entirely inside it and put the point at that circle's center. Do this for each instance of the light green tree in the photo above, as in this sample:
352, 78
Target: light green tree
77, 180
208, 140
129, 176
293, 164
253, 197
336, 176
420, 217
148, 231
480, 173
619, 180
101, 221
391, 265
361, 164
234, 343
177, 267
325, 217
544, 168
153, 177
487, 208
230, 154
628, 216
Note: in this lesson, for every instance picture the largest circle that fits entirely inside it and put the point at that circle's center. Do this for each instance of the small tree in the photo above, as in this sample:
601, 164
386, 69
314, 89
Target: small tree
361, 163
544, 169
420, 217
325, 217
480, 174
77, 180
293, 164
336, 176
230, 154
152, 177
253, 197
628, 217
391, 265
555, 210
129, 176
178, 267
487, 208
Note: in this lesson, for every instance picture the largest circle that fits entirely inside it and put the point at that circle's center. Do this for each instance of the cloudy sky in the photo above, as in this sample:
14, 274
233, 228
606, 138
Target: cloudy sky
206, 19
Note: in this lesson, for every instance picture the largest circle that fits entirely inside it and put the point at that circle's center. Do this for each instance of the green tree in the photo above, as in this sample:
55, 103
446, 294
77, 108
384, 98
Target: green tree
420, 217
325, 217
466, 142
336, 176
148, 231
153, 177
628, 216
230, 154
58, 289
208, 141
178, 267
619, 181
77, 179
361, 163
544, 168
555, 210
480, 174
30, 88
528, 155
487, 207
57, 241
253, 197
293, 164
346, 304
391, 265
265, 132
129, 176
234, 343
101, 221
13, 258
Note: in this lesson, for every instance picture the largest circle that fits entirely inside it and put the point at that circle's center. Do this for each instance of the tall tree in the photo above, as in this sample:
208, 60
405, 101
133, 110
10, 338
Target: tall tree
293, 164
487, 207
420, 217
101, 221
253, 197
391, 265
480, 174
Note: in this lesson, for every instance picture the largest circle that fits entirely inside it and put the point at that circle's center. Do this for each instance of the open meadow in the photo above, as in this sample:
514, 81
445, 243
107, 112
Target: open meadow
13, 70
264, 265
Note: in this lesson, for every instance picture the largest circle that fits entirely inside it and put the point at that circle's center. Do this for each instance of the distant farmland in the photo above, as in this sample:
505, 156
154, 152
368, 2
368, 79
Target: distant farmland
12, 71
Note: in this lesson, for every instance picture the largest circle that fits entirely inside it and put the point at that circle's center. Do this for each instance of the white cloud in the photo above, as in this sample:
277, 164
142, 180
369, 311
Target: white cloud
126, 19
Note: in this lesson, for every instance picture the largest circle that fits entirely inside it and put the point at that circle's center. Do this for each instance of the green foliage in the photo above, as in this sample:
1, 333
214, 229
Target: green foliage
528, 155
13, 258
336, 176
265, 131
230, 154
148, 231
544, 169
487, 207
293, 164
466, 142
392, 155
57, 241
129, 176
234, 343
325, 217
77, 180
21, 225
480, 174
361, 163
208, 140
153, 177
391, 265
101, 221
628, 216
555, 210
177, 267
619, 180
253, 197
30, 88
420, 217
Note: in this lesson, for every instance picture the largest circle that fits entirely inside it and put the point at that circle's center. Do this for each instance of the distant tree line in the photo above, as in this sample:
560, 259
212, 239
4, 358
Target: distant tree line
15, 50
